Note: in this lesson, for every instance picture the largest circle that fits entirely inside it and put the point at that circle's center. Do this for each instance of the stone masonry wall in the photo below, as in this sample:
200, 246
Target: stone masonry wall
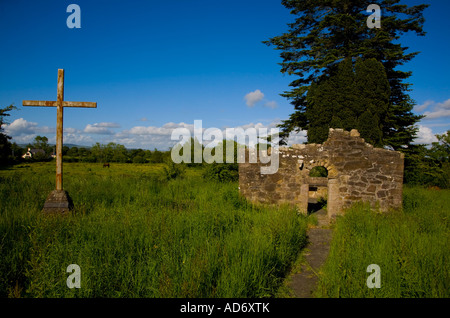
356, 172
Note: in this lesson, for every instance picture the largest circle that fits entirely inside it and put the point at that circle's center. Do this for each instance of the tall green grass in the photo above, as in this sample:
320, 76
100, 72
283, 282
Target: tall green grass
136, 235
410, 246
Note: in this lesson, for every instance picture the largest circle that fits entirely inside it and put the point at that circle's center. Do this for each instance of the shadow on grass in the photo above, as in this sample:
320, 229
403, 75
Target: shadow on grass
6, 167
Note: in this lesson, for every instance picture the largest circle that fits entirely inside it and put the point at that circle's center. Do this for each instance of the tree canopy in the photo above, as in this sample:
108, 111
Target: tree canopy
5, 145
353, 97
326, 33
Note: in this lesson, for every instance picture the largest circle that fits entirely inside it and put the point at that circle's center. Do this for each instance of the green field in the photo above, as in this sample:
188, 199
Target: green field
411, 247
135, 234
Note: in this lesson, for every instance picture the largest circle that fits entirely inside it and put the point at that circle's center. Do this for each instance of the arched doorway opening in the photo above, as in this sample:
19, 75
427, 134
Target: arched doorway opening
318, 188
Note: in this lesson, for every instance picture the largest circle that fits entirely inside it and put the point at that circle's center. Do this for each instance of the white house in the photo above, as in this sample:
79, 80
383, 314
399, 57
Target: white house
31, 152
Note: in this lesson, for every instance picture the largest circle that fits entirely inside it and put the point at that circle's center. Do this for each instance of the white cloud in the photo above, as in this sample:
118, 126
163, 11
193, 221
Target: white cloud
425, 136
150, 137
21, 127
146, 137
23, 131
101, 128
78, 139
107, 125
24, 139
144, 140
253, 97
438, 111
171, 125
297, 137
92, 129
150, 130
421, 108
271, 104
252, 125
294, 137
71, 131
445, 105
165, 130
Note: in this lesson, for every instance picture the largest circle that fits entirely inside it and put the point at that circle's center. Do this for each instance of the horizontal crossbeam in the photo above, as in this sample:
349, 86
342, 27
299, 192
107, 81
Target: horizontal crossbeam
55, 103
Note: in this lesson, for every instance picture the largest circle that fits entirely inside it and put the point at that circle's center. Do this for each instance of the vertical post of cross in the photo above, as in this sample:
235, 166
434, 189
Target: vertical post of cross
59, 129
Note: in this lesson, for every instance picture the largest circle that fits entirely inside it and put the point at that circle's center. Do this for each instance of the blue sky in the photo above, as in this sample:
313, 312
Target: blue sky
152, 66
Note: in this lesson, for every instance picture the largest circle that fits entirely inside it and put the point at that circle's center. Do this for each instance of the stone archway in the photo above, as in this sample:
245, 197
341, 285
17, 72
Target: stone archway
331, 184
356, 172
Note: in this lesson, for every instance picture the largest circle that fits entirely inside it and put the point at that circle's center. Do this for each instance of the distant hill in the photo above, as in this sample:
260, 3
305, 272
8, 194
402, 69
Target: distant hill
78, 146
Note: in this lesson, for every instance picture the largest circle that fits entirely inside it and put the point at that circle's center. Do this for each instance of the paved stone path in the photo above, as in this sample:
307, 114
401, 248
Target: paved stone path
304, 283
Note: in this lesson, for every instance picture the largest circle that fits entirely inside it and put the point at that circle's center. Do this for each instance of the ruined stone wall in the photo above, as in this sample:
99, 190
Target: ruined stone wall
356, 172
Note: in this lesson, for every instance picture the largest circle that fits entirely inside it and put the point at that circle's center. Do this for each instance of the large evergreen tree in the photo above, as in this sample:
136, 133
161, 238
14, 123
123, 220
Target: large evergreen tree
325, 33
354, 97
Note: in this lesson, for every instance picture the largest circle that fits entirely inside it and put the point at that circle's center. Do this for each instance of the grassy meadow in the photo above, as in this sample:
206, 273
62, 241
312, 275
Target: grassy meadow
411, 247
135, 234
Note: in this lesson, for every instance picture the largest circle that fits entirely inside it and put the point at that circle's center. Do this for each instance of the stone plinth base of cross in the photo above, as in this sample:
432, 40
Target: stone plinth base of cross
58, 201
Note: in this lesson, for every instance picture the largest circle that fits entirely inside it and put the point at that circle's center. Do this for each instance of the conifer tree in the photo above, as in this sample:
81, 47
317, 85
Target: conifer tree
352, 97
327, 32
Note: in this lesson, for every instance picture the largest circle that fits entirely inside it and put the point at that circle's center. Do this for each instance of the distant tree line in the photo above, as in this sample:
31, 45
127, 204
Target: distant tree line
113, 152
428, 166
110, 152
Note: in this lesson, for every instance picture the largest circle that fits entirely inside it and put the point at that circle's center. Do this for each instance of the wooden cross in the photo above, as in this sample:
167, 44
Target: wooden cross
59, 104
